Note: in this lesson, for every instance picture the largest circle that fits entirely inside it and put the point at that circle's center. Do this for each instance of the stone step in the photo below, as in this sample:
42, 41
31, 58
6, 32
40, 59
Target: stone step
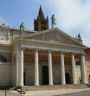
54, 87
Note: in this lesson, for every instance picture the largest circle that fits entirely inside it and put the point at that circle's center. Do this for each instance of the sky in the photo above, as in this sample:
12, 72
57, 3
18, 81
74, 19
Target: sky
72, 16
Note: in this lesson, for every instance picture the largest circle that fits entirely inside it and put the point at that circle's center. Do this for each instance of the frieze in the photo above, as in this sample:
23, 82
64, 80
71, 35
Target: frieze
48, 45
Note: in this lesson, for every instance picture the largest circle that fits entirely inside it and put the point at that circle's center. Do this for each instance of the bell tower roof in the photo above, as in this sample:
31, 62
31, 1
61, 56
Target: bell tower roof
41, 23
40, 14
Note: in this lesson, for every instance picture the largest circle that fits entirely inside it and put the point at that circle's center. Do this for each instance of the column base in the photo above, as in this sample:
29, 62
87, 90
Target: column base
63, 83
84, 82
36, 84
51, 84
74, 82
21, 85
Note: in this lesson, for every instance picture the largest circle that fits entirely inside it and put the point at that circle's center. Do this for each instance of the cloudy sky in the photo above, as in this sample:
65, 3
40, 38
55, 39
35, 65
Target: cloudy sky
72, 16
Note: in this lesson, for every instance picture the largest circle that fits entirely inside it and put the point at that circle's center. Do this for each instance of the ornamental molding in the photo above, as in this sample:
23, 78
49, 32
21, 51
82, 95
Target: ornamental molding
33, 44
54, 35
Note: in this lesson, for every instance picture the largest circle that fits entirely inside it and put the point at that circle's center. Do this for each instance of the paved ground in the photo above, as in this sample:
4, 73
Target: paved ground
8, 93
64, 92
84, 93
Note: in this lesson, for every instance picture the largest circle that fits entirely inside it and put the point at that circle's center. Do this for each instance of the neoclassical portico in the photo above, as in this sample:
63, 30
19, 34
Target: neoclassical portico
50, 47
20, 69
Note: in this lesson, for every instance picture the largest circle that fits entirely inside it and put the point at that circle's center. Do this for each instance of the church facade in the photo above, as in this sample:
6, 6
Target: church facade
41, 57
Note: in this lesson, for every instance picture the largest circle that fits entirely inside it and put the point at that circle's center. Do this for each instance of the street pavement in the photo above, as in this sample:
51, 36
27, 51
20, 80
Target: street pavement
61, 92
8, 93
84, 93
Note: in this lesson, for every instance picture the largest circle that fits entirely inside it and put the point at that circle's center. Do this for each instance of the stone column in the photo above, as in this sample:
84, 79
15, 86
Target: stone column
63, 82
73, 69
17, 67
36, 69
21, 68
83, 70
50, 68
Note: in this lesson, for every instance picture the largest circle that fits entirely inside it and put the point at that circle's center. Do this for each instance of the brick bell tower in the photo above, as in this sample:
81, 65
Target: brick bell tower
41, 23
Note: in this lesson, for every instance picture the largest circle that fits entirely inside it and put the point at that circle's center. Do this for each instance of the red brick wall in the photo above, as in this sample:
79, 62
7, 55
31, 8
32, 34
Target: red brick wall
87, 60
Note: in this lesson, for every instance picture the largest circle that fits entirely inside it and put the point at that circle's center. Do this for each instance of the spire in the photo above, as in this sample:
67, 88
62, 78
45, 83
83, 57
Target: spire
41, 23
40, 14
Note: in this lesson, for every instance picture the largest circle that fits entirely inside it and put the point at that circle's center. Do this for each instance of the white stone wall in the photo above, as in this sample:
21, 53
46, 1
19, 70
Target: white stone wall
56, 74
5, 75
29, 74
78, 74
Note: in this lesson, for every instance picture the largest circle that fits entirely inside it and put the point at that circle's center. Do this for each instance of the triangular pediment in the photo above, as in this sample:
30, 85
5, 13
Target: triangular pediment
56, 36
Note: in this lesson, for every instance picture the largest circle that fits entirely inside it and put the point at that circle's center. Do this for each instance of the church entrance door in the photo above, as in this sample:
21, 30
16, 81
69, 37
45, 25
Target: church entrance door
24, 76
45, 77
67, 76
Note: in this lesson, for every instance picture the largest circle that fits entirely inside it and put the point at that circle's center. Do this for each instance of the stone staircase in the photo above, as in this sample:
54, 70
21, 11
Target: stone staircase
54, 87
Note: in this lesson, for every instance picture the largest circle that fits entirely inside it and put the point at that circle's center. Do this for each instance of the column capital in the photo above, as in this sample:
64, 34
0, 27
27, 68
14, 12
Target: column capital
20, 47
72, 53
62, 52
82, 54
36, 49
50, 51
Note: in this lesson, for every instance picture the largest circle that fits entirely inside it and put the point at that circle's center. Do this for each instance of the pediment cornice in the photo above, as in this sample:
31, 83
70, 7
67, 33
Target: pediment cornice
54, 35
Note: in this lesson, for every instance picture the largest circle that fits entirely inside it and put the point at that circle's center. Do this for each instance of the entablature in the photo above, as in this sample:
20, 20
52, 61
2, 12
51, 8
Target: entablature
36, 44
